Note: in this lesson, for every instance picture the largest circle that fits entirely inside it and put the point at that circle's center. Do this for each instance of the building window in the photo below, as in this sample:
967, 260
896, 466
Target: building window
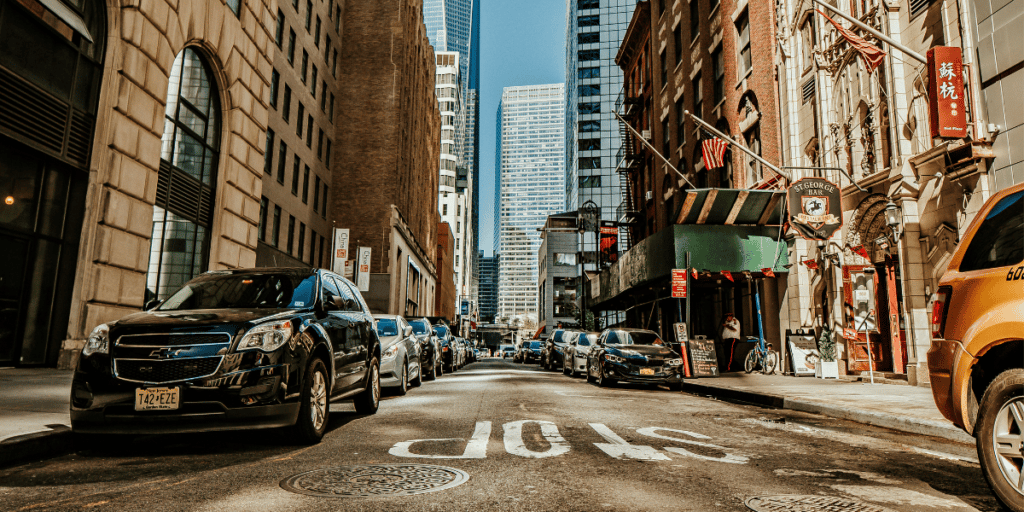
291, 47
295, 175
302, 239
677, 42
235, 6
316, 194
680, 121
309, 14
279, 31
589, 107
585, 73
588, 37
753, 140
718, 90
290, 243
323, 206
275, 79
698, 96
588, 21
275, 229
588, 4
316, 33
282, 156
590, 144
323, 96
327, 154
268, 154
919, 6
444, 209
664, 68
298, 124
183, 212
309, 131
262, 231
694, 20
590, 162
334, 62
807, 42
319, 143
590, 182
330, 112
743, 42
667, 138
305, 186
590, 126
312, 85
590, 90
305, 65
286, 111
585, 55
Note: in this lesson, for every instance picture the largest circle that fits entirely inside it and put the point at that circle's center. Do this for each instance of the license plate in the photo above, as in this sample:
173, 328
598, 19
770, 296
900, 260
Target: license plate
157, 399
646, 371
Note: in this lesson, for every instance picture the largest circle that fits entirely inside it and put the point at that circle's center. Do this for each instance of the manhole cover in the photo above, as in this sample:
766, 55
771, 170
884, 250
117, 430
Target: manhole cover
798, 503
374, 480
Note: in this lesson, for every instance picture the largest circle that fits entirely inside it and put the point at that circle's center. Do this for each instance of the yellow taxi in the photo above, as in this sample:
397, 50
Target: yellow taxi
976, 359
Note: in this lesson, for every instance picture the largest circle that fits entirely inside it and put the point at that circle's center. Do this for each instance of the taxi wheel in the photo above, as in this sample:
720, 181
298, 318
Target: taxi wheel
368, 401
1000, 434
314, 404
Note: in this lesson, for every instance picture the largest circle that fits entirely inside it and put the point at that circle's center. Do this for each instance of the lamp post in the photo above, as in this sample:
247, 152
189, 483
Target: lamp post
586, 215
894, 219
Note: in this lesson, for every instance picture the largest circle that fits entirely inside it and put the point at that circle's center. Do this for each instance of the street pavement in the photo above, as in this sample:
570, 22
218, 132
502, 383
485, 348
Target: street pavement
527, 440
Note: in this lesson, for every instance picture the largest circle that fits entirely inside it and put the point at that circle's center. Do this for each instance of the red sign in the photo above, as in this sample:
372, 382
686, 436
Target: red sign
342, 254
946, 101
768, 272
678, 283
811, 264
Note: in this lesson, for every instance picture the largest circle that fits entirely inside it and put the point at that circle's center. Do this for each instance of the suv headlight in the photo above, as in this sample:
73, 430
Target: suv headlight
390, 353
614, 359
98, 342
267, 337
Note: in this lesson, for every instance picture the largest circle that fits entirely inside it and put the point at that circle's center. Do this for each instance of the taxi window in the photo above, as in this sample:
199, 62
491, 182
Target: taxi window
999, 240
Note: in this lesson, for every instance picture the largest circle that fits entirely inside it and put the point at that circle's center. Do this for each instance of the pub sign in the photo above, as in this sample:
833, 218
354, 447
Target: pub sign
815, 208
946, 105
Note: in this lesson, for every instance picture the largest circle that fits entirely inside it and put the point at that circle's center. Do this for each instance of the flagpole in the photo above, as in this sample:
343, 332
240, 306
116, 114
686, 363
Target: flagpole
656, 152
743, 148
861, 25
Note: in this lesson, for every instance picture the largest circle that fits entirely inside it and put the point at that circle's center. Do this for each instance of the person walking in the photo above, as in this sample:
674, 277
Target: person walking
730, 335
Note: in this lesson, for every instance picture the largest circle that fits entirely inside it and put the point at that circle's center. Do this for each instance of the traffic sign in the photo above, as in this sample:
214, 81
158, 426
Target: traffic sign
678, 283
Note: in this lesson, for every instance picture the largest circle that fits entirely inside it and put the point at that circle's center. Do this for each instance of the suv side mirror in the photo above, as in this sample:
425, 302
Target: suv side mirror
152, 303
407, 331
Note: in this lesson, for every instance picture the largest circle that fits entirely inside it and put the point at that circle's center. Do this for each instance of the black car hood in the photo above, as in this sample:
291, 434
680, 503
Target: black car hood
655, 351
197, 318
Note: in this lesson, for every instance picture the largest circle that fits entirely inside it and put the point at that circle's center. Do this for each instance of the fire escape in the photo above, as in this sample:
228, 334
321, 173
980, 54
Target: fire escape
629, 161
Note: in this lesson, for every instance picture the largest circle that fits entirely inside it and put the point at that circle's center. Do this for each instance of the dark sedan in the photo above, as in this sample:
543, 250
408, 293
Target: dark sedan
232, 350
449, 350
530, 351
430, 353
552, 352
634, 355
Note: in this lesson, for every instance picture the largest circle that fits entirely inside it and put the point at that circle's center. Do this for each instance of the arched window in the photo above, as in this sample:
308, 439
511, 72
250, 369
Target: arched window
183, 213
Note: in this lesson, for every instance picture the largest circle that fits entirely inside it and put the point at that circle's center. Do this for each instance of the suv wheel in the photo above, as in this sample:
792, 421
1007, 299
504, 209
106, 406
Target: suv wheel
1000, 437
314, 406
368, 401
432, 374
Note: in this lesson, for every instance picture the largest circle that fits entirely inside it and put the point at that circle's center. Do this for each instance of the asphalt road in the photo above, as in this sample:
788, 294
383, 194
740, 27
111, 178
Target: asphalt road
528, 440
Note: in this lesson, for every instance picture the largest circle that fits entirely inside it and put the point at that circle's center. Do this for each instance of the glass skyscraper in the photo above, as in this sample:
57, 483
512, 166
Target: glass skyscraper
530, 176
594, 30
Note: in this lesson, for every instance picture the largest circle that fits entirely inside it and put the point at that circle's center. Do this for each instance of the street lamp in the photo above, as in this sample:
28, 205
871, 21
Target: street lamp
893, 218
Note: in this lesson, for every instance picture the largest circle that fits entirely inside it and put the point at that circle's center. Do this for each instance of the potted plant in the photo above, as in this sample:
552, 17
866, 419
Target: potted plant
827, 367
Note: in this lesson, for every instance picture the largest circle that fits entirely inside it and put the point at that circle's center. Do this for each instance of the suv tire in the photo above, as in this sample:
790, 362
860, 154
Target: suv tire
314, 404
368, 401
996, 419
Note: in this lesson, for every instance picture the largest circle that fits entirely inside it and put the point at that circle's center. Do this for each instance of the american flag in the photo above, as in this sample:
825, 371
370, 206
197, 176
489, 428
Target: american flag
713, 152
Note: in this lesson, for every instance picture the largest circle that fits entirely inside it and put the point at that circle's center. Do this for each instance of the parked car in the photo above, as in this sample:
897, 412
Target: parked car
577, 348
506, 351
430, 348
460, 346
634, 355
530, 351
238, 349
449, 356
553, 350
977, 353
400, 354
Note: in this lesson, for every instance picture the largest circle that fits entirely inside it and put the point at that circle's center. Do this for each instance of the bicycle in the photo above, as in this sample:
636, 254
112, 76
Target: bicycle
762, 357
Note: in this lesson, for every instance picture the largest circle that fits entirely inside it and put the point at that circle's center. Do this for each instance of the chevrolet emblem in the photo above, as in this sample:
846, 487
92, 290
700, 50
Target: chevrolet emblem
164, 353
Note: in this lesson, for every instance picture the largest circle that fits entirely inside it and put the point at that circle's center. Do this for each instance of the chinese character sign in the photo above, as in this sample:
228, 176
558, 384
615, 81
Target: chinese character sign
947, 102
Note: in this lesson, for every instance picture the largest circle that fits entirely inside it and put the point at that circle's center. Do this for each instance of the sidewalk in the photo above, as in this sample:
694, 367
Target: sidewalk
898, 407
34, 419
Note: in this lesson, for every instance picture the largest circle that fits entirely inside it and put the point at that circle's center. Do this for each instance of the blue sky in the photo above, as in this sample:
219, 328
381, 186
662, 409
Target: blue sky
522, 42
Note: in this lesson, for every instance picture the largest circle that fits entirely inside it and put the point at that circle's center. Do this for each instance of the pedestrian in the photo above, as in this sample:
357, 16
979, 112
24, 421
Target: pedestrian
730, 335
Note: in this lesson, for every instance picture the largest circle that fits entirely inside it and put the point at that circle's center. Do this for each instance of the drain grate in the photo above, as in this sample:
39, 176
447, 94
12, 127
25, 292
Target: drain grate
374, 480
810, 503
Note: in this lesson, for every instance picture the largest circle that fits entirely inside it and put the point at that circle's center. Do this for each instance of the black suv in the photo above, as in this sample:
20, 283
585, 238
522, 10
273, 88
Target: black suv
268, 347
430, 355
553, 352
449, 350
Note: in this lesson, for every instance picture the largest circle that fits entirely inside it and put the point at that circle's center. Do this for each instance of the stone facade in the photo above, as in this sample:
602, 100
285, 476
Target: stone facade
558, 272
145, 36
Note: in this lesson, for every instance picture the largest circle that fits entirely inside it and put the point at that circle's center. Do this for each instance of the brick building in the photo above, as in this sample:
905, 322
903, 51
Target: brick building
444, 294
385, 163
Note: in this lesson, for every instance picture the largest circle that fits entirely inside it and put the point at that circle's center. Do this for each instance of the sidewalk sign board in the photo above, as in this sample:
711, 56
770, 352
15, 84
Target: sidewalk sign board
363, 269
702, 356
803, 351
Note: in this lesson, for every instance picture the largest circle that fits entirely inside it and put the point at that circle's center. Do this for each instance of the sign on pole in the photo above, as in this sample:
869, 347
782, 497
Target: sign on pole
363, 269
815, 208
340, 250
946, 102
678, 283
350, 271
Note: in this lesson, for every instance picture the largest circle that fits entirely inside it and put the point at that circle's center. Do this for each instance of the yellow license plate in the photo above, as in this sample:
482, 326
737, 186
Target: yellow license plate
157, 399
646, 371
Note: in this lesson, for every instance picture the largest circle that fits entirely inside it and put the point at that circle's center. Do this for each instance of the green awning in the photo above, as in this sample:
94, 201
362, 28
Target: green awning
732, 207
712, 247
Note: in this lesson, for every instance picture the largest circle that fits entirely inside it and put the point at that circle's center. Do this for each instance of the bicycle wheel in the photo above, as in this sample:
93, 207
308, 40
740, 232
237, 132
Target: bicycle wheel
751, 361
771, 360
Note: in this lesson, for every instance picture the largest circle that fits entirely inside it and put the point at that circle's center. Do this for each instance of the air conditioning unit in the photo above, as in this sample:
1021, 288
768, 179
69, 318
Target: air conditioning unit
650, 195
646, 134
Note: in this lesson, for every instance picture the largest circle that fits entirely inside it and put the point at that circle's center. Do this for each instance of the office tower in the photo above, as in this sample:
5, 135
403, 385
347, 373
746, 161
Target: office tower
594, 29
454, 193
488, 301
530, 168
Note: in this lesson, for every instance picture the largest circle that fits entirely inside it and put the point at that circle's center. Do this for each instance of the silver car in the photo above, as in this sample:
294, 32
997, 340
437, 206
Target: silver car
576, 350
400, 354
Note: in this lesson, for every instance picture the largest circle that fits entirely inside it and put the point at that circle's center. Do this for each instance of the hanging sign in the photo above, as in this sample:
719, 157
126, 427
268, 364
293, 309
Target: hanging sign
679, 283
363, 269
340, 250
946, 102
815, 208
609, 243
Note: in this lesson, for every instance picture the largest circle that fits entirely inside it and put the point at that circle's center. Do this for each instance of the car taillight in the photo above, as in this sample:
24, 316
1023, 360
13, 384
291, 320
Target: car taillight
939, 308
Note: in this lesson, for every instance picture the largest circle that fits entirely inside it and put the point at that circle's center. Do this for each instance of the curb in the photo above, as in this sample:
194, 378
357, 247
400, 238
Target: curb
903, 424
36, 446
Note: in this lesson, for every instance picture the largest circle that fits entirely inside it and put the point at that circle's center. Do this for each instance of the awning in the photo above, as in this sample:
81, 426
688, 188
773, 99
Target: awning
732, 207
68, 16
711, 247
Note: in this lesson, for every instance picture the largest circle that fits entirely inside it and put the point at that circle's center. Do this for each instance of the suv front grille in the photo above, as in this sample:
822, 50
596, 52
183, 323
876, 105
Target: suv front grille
160, 371
173, 340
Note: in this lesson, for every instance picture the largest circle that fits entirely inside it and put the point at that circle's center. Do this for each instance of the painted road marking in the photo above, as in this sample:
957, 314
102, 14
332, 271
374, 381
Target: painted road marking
514, 440
728, 457
618, 448
476, 448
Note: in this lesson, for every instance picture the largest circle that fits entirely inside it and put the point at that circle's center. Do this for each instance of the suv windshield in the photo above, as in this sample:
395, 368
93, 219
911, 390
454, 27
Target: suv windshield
639, 338
243, 291
534, 344
420, 326
387, 327
583, 341
441, 331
